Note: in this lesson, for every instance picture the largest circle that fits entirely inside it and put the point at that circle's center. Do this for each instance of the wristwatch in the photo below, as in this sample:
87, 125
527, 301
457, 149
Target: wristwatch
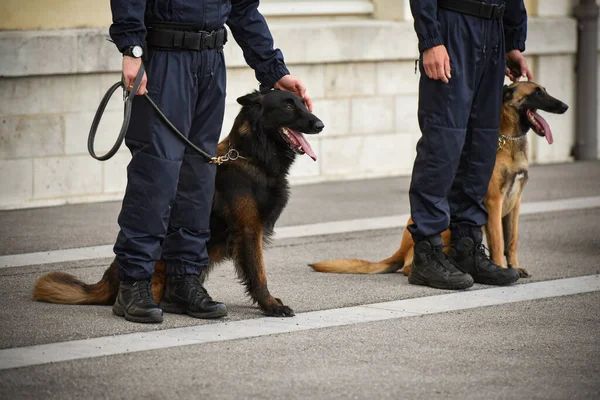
133, 51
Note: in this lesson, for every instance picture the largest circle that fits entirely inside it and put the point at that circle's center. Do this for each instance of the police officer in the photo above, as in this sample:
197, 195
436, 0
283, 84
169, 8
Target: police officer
167, 203
464, 47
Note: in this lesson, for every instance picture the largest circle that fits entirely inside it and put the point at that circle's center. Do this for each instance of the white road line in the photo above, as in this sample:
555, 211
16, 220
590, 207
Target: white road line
287, 232
169, 338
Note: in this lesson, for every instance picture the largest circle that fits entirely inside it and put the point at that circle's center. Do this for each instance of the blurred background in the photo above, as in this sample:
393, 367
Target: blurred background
356, 57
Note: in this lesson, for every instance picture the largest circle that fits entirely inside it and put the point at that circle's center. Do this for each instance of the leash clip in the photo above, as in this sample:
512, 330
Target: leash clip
231, 155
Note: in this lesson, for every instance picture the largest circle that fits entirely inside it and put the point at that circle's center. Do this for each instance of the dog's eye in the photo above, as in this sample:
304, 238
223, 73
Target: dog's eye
289, 107
538, 91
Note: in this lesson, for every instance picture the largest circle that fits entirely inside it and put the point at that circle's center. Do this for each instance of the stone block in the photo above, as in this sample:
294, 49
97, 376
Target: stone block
339, 155
373, 115
17, 182
406, 114
66, 176
392, 154
31, 136
313, 77
37, 52
397, 77
345, 80
77, 129
555, 8
50, 94
335, 114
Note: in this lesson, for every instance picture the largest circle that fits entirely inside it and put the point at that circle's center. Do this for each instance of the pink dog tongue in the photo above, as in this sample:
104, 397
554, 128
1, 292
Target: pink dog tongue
304, 143
544, 125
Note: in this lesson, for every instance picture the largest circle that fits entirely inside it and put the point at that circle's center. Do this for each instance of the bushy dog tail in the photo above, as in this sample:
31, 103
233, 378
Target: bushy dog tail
62, 288
401, 259
352, 266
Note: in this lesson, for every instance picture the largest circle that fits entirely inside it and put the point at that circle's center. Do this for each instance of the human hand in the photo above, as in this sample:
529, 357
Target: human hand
131, 67
294, 85
436, 63
516, 66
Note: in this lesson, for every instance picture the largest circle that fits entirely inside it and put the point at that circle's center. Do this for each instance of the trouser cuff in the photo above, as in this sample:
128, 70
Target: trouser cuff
184, 268
461, 231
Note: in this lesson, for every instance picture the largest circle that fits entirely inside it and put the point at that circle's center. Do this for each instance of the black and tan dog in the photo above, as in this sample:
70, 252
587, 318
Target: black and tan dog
251, 191
503, 200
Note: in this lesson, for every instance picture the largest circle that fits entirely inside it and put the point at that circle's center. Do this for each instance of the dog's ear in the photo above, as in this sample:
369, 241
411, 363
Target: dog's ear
507, 92
265, 89
250, 99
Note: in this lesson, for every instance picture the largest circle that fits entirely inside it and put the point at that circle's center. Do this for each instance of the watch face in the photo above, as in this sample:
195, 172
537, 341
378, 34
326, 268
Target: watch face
136, 51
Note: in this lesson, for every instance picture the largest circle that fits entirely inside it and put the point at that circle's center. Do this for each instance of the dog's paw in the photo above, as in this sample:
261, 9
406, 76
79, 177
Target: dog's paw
278, 310
406, 269
523, 273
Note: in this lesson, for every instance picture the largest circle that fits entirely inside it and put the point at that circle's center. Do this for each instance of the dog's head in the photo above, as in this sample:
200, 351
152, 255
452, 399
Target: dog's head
525, 99
285, 118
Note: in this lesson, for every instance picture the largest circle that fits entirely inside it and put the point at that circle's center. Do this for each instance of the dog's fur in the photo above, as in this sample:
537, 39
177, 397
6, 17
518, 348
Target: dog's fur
503, 198
250, 194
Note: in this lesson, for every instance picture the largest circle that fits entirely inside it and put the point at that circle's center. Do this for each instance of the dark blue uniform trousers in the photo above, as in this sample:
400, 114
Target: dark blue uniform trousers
167, 203
459, 122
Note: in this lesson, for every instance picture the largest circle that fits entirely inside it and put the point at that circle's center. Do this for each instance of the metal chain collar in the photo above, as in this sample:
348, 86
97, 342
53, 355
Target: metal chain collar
502, 139
231, 155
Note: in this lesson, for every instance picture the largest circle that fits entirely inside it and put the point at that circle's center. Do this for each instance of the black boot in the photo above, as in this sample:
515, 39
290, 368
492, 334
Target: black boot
185, 295
472, 257
136, 303
431, 267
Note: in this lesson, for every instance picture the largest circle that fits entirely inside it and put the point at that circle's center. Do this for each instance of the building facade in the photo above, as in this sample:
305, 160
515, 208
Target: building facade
356, 57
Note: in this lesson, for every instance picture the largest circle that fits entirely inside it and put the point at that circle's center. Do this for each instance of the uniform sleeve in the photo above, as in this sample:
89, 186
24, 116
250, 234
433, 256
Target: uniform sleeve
515, 25
251, 32
128, 27
427, 27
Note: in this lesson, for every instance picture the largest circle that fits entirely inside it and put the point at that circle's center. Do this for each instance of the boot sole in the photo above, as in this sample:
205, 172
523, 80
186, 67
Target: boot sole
413, 280
500, 282
155, 318
175, 309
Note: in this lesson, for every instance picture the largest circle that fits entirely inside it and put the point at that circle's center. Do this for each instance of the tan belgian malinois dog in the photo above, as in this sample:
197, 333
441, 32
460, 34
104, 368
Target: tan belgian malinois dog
503, 199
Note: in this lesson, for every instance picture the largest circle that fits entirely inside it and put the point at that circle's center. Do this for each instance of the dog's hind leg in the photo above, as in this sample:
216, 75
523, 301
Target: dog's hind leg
510, 225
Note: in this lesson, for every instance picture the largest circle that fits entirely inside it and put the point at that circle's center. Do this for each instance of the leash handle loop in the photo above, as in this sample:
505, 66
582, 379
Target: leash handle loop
128, 100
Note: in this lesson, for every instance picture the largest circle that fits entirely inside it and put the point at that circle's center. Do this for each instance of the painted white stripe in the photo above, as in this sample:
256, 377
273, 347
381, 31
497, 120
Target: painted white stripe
287, 232
351, 225
169, 338
55, 256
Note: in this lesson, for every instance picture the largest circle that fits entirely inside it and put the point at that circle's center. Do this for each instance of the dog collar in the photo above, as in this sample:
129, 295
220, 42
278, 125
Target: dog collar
502, 139
231, 155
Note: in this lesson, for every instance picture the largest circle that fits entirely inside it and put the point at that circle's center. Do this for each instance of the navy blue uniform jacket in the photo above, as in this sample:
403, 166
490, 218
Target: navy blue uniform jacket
428, 27
242, 16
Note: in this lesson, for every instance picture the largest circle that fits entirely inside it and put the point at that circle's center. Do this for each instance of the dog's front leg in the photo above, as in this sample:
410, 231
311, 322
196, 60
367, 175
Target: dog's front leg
493, 229
249, 264
511, 233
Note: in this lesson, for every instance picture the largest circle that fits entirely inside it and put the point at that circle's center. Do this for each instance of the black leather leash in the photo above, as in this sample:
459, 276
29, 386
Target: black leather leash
128, 100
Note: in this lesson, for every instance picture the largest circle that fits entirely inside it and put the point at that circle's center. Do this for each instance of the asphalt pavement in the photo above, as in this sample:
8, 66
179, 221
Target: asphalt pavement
546, 348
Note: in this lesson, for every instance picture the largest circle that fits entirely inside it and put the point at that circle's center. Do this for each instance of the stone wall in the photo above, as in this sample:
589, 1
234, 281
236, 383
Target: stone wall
360, 73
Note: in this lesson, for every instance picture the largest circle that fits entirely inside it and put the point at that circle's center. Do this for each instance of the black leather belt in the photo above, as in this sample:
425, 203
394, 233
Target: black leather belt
472, 7
173, 39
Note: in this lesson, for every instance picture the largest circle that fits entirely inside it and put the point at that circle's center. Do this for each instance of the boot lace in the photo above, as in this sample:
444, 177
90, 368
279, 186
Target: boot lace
143, 291
442, 259
196, 291
482, 257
